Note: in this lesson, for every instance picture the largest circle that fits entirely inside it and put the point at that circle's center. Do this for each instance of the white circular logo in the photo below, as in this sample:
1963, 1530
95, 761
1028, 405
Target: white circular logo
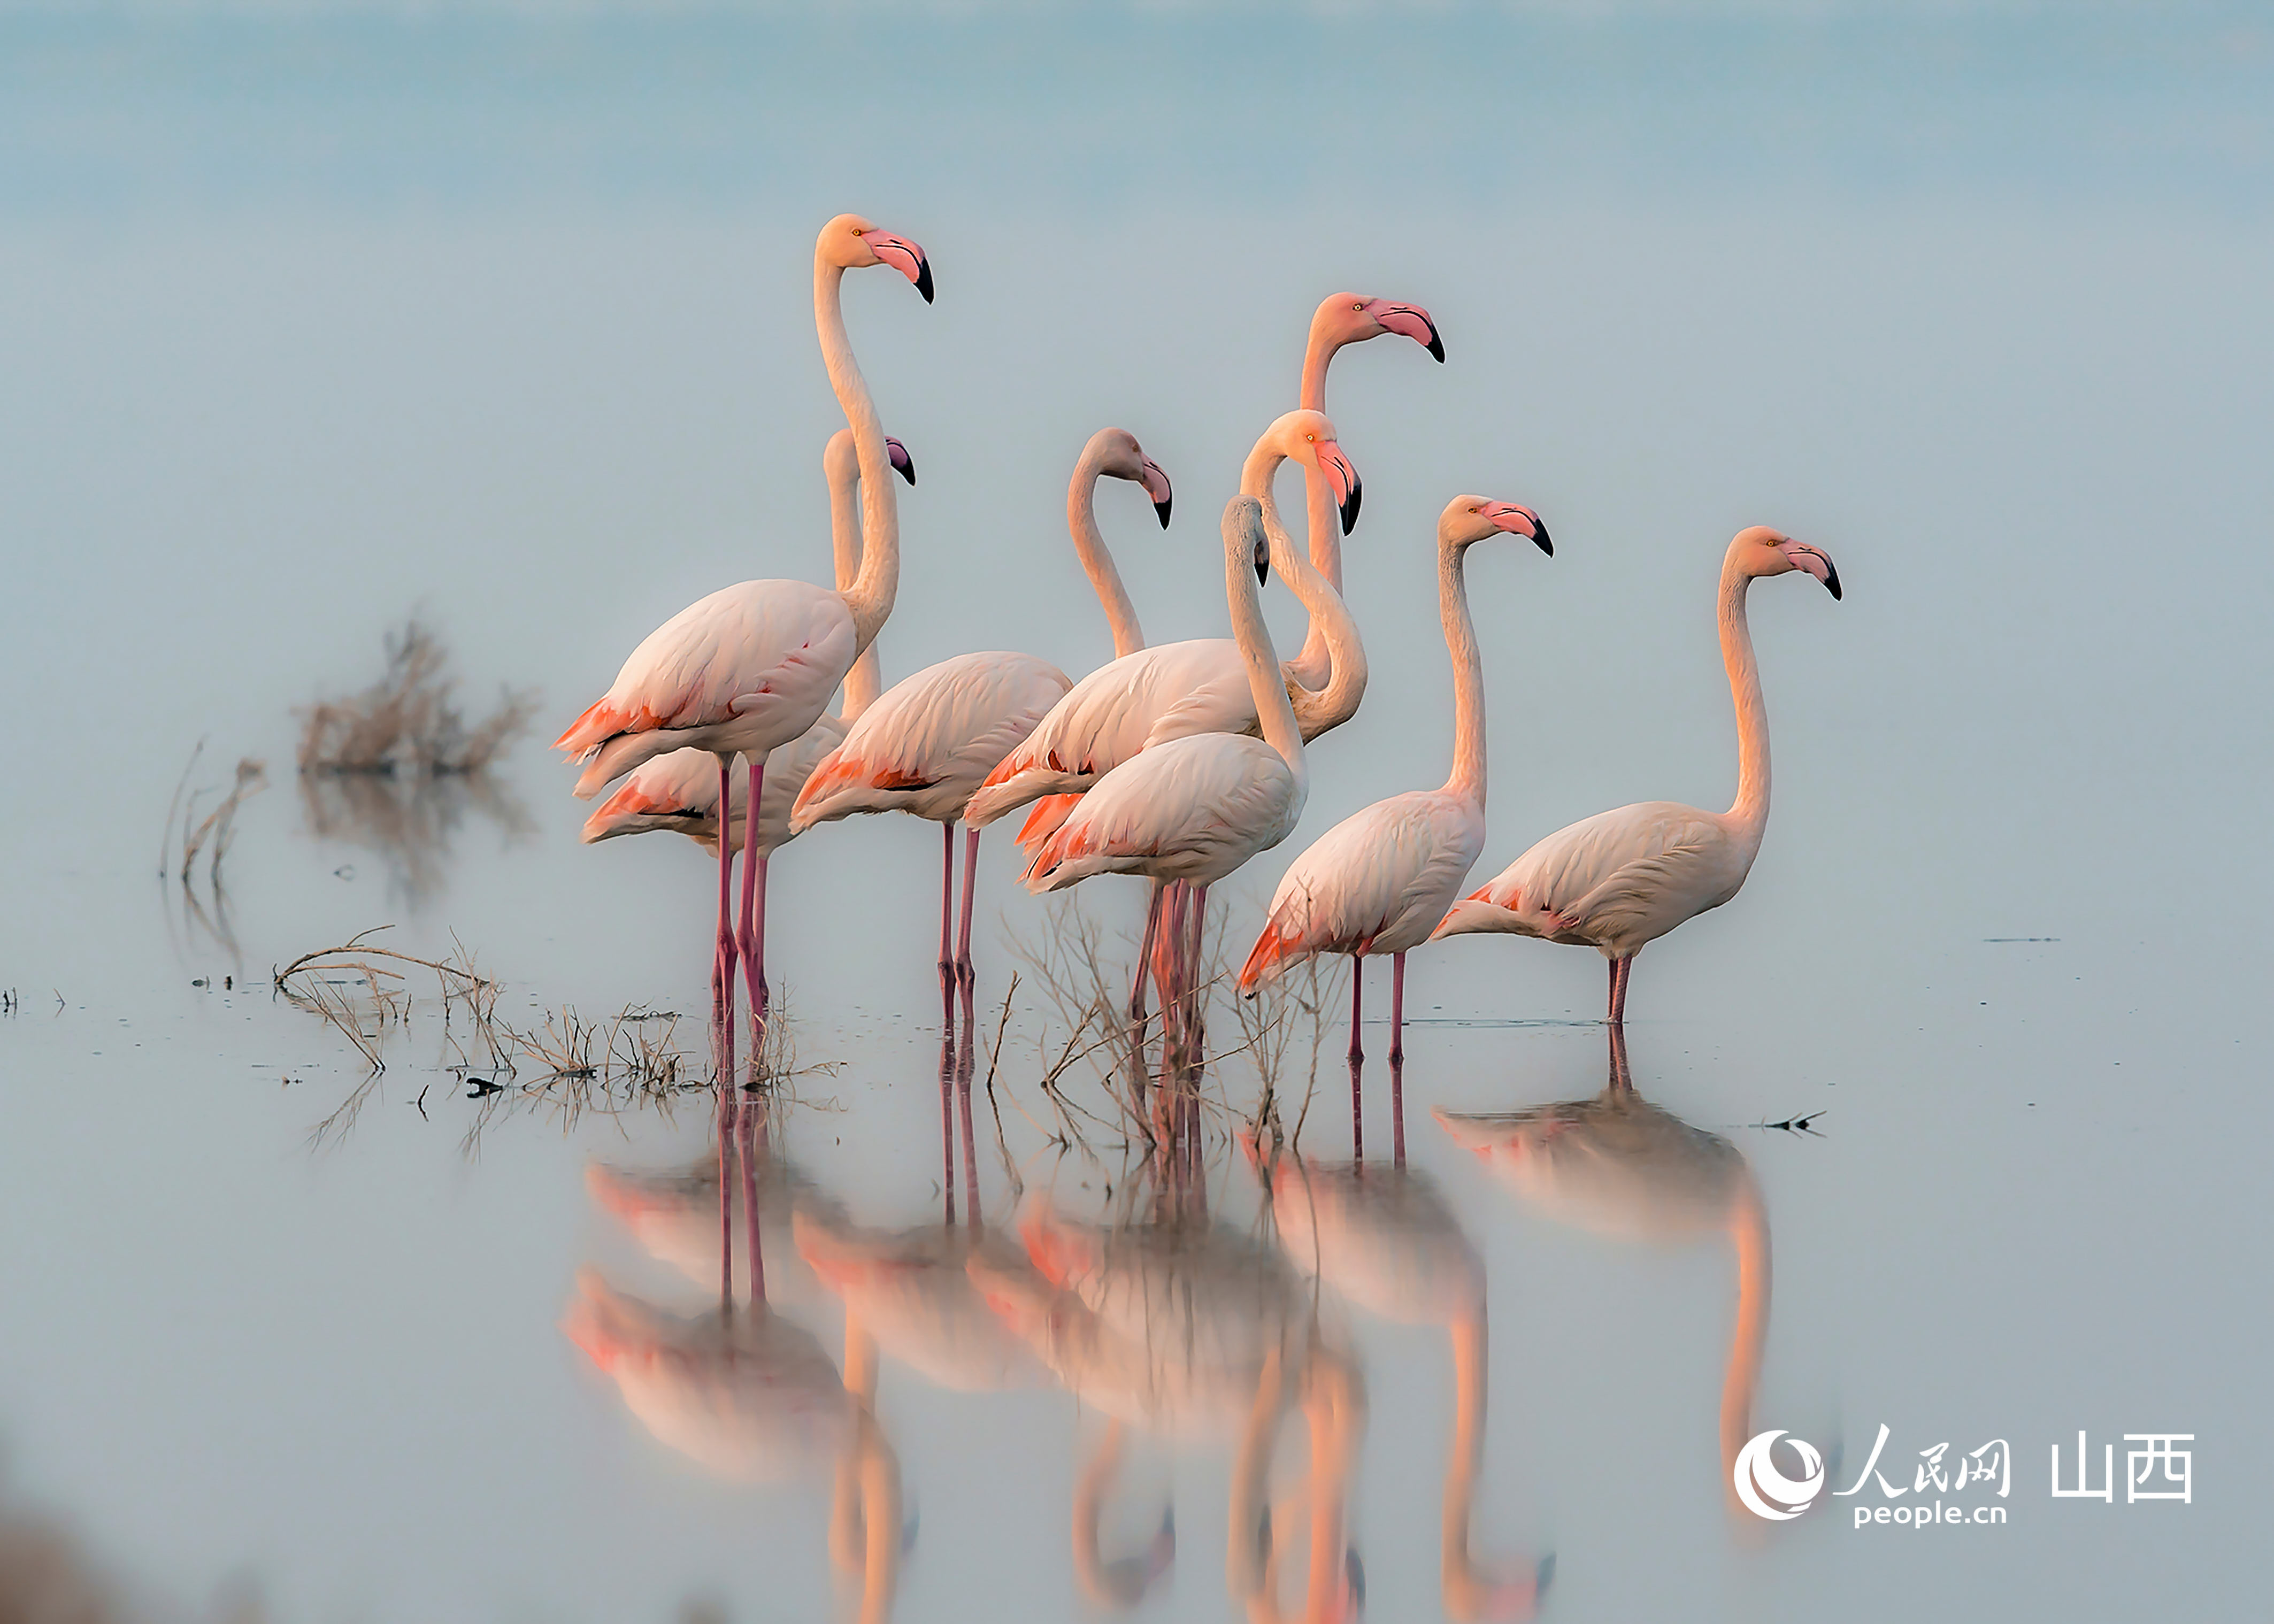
1768, 1492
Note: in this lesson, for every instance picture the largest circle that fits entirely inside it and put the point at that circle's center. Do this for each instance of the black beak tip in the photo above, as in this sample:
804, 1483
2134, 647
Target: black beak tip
1162, 507
1546, 545
1436, 348
908, 472
923, 279
1350, 507
1263, 569
1832, 580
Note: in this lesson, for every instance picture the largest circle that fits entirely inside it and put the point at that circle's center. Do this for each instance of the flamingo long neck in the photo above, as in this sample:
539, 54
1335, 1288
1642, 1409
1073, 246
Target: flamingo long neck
840, 465
1468, 777
1265, 680
1749, 1228
1097, 561
1338, 701
1751, 812
1313, 667
870, 596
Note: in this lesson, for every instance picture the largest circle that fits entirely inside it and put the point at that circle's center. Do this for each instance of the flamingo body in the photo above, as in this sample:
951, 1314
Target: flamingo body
1616, 881
1172, 690
928, 743
748, 668
1194, 809
1378, 882
679, 792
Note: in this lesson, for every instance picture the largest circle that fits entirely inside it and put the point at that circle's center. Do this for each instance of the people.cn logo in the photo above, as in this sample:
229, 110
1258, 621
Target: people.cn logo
1768, 1492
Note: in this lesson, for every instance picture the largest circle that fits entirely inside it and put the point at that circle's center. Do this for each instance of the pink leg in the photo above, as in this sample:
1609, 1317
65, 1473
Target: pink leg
964, 1066
1620, 970
947, 918
723, 961
1397, 1058
1357, 1058
1172, 975
750, 939
1196, 1022
1144, 961
963, 970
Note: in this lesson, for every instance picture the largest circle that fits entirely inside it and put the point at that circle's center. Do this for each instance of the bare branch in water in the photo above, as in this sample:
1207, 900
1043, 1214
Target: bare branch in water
407, 722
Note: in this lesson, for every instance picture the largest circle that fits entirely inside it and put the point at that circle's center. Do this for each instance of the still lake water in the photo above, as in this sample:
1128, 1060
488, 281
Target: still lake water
311, 321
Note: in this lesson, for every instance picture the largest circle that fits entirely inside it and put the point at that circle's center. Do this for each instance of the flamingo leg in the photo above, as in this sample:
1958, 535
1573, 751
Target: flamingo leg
1144, 961
722, 964
750, 938
1397, 1059
1357, 1058
1621, 968
1196, 1022
964, 973
947, 919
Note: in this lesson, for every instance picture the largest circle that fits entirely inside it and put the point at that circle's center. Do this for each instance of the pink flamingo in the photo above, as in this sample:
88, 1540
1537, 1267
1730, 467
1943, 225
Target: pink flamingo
1341, 318
1620, 880
927, 746
754, 666
1381, 880
1195, 809
680, 792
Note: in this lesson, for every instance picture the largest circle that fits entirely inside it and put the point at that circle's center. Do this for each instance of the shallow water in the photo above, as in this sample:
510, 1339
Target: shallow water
286, 363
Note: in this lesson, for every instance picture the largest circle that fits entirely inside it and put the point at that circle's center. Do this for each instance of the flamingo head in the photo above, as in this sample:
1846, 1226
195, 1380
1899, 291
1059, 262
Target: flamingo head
1761, 551
1468, 519
1119, 453
1352, 318
903, 464
852, 244
1309, 438
1244, 539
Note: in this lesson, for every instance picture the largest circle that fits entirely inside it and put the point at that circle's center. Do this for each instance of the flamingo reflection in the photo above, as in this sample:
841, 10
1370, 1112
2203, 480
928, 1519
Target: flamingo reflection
1620, 1166
1385, 1239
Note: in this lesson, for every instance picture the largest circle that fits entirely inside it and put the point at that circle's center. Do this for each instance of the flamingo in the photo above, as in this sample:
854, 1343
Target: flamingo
1341, 318
1379, 881
753, 667
1197, 808
680, 792
929, 743
1179, 690
1618, 880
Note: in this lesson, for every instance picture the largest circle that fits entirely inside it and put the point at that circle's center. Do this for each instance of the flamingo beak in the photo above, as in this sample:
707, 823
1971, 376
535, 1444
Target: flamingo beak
903, 464
1343, 480
1816, 562
1408, 321
1520, 521
1156, 486
904, 257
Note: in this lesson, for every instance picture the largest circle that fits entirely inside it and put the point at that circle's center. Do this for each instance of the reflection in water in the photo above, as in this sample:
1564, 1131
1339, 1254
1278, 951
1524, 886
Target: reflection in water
1385, 1239
408, 821
1620, 1166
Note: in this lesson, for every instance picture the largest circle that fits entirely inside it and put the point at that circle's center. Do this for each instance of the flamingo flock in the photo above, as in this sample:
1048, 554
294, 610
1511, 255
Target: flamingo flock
1180, 763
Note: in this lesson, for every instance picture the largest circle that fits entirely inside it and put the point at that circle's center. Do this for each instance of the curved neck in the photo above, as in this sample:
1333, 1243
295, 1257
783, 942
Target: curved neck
840, 465
1468, 777
870, 598
1265, 681
1097, 561
1749, 1228
1750, 811
1313, 667
1338, 701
